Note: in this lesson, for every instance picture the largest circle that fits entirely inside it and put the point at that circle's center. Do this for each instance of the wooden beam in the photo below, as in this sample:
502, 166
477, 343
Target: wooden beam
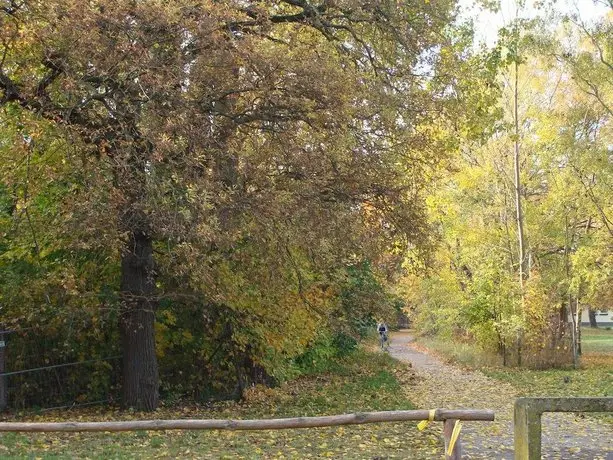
270, 424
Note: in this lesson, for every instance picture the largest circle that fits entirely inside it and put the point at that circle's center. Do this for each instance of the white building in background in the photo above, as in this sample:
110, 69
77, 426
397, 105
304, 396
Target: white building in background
604, 318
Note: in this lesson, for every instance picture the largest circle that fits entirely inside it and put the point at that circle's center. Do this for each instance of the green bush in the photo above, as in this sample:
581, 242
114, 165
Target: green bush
324, 353
318, 356
344, 344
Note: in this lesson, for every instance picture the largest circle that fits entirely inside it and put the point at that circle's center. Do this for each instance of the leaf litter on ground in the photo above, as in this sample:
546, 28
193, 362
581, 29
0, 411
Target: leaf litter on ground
364, 381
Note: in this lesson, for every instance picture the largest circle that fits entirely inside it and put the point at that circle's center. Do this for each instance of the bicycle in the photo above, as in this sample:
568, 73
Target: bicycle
384, 341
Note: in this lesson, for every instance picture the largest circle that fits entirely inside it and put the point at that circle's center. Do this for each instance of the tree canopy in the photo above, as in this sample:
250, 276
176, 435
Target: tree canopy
217, 166
228, 192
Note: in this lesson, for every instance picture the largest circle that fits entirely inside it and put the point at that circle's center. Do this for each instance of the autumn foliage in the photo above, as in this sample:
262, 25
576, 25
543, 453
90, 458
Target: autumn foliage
196, 185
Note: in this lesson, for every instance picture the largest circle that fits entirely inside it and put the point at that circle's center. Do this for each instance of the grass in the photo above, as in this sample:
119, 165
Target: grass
597, 340
557, 382
594, 378
465, 354
364, 381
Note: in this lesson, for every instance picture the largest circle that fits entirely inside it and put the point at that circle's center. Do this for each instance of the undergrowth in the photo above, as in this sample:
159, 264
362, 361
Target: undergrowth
465, 354
594, 377
361, 381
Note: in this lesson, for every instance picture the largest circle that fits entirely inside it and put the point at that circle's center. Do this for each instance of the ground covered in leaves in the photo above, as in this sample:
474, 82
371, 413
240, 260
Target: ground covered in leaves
363, 382
473, 384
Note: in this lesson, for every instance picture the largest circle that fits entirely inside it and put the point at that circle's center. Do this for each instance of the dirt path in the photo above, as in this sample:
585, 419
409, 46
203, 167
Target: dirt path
442, 385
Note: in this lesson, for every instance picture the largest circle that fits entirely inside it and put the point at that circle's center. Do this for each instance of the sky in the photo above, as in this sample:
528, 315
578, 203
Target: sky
488, 23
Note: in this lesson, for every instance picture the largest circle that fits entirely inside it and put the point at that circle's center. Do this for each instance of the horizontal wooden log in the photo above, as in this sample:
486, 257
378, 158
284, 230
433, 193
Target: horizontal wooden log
270, 424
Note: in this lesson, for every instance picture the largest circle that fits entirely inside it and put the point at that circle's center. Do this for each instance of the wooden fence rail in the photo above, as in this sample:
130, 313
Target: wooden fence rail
440, 415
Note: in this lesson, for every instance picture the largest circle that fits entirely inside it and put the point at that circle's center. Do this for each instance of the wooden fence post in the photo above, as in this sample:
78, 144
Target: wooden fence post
527, 435
456, 453
527, 419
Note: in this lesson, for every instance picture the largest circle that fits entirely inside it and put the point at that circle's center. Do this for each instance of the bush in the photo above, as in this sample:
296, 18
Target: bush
318, 356
344, 344
325, 352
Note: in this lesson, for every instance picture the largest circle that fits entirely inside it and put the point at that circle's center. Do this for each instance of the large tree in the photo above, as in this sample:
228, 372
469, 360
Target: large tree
291, 125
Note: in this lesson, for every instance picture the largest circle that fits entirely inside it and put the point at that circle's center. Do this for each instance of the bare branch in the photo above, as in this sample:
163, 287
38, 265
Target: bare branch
592, 38
596, 93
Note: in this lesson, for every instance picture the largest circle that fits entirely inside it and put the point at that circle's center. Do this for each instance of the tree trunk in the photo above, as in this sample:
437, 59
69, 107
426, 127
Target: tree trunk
592, 316
521, 238
573, 334
3, 379
136, 325
573, 314
578, 322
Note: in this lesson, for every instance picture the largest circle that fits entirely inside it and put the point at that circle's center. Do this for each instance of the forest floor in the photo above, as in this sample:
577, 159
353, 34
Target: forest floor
441, 384
366, 380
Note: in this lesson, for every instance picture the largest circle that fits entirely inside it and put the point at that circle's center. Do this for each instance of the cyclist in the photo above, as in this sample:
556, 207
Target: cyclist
382, 330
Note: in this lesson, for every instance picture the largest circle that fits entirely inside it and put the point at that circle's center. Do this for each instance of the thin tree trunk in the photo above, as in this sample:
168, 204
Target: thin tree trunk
136, 325
592, 316
518, 204
574, 336
578, 322
504, 219
3, 379
567, 246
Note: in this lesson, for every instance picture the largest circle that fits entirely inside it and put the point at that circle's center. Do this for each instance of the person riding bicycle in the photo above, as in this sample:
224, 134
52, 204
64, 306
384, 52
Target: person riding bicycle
382, 330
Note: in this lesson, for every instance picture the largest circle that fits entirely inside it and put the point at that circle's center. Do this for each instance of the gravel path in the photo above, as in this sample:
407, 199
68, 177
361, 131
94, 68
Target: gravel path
442, 385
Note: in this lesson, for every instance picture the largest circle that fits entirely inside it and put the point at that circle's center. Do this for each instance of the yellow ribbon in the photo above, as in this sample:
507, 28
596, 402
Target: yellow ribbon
455, 434
424, 423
